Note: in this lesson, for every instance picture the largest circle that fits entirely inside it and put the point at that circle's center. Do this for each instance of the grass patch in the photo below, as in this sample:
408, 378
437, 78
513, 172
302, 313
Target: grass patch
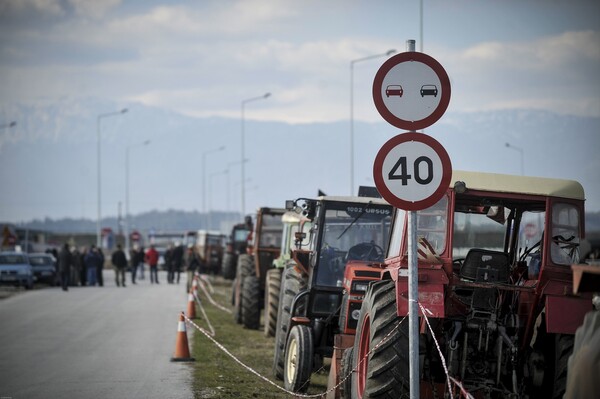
216, 375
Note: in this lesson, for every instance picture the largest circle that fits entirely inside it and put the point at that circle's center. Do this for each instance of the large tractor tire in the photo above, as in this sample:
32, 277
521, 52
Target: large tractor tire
384, 373
251, 302
298, 359
583, 380
292, 283
272, 288
346, 374
563, 349
228, 266
245, 266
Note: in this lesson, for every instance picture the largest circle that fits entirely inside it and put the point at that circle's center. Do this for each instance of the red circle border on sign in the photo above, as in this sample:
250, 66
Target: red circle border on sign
391, 198
406, 57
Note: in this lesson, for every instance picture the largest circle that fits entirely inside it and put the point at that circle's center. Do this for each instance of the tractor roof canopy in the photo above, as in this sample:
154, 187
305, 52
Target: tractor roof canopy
519, 184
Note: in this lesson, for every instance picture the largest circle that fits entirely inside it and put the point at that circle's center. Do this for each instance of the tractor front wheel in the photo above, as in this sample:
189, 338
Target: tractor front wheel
298, 359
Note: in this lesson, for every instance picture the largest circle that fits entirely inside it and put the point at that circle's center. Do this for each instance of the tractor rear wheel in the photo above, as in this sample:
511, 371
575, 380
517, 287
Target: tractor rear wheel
382, 372
346, 372
298, 359
292, 283
245, 266
251, 302
228, 266
273, 286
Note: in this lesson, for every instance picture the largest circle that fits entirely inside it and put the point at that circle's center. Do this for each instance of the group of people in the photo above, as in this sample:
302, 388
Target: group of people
84, 268
139, 257
79, 268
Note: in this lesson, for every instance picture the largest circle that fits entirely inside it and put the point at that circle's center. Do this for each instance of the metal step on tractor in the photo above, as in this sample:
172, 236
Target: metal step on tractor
346, 236
494, 278
264, 246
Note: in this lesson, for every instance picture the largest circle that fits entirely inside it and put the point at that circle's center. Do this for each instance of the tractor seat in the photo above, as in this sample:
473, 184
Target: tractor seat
483, 265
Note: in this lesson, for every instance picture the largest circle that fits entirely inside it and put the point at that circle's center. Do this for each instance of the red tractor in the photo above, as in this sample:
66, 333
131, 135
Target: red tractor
494, 278
264, 246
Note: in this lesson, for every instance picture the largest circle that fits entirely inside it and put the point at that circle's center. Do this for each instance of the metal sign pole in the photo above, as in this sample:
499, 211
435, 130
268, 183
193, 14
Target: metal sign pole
413, 293
413, 308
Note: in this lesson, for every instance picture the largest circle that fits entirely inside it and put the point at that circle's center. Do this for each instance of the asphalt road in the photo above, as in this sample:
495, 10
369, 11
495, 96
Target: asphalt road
94, 342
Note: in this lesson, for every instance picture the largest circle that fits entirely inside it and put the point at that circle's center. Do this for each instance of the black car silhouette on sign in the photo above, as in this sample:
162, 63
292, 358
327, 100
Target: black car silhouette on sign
429, 90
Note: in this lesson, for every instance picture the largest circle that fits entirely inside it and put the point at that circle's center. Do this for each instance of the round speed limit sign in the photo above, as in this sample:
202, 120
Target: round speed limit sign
412, 171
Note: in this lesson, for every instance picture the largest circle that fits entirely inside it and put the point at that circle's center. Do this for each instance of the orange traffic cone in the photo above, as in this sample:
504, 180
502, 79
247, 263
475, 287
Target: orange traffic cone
195, 285
191, 306
182, 351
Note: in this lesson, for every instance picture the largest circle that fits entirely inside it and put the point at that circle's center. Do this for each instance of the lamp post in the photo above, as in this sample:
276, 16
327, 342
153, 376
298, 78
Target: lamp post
99, 118
222, 172
229, 165
244, 102
127, 221
6, 125
508, 145
386, 54
204, 154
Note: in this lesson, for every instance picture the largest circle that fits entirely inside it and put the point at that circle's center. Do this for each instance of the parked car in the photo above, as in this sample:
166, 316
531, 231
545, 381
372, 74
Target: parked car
15, 269
43, 268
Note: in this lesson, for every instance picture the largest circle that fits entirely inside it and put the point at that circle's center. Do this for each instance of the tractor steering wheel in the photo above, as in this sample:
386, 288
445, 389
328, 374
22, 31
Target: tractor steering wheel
368, 251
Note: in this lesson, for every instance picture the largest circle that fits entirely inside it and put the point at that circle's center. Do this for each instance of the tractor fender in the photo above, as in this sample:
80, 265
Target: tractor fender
565, 313
432, 287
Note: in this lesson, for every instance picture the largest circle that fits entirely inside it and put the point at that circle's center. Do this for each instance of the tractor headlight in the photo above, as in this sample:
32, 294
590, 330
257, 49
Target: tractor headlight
359, 287
355, 314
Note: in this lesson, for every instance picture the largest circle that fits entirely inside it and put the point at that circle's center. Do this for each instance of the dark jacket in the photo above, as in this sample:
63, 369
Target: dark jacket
118, 259
192, 261
93, 259
65, 259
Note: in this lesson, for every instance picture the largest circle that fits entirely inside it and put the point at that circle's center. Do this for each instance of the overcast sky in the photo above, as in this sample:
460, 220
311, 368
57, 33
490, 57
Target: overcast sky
203, 57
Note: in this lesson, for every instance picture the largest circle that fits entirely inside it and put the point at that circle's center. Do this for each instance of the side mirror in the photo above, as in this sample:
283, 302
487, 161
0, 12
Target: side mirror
290, 205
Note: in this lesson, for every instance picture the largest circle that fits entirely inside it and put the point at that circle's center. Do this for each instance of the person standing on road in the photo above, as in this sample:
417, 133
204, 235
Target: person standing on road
76, 267
99, 275
177, 260
192, 264
142, 255
83, 271
93, 261
136, 257
169, 263
151, 259
65, 259
119, 262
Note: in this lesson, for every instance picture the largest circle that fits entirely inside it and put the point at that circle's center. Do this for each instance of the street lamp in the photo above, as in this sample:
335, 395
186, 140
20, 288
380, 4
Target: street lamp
386, 54
508, 145
98, 232
244, 102
222, 172
127, 221
11, 124
229, 165
204, 154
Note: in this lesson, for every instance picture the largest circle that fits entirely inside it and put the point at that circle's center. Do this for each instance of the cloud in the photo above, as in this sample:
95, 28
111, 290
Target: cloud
557, 73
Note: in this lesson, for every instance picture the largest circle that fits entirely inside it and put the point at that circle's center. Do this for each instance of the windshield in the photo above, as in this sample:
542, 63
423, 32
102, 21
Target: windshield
564, 247
40, 260
271, 230
12, 259
351, 232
